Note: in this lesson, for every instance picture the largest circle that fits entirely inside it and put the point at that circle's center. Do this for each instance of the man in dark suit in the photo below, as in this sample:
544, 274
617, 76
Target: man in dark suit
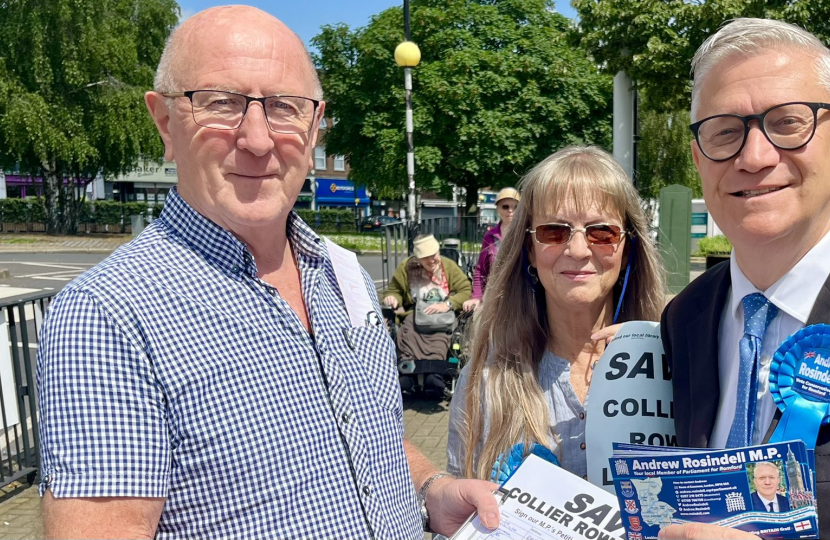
766, 478
762, 149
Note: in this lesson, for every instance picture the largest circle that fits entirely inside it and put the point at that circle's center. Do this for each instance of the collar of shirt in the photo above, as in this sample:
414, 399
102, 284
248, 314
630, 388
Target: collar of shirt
796, 291
767, 501
220, 246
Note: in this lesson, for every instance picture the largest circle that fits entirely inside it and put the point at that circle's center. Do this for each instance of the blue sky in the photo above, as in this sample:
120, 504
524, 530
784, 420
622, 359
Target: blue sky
306, 17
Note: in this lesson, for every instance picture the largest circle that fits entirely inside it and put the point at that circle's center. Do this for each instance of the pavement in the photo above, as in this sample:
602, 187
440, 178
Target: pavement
425, 421
41, 243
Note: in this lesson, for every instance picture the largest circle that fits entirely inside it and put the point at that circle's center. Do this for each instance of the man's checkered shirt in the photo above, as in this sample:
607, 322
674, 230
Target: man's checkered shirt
171, 370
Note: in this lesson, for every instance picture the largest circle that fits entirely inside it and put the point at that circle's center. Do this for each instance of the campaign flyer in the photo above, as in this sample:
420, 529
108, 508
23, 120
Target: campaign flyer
542, 501
768, 490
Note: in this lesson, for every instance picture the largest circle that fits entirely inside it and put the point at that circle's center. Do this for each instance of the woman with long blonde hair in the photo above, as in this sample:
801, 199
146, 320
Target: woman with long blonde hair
577, 259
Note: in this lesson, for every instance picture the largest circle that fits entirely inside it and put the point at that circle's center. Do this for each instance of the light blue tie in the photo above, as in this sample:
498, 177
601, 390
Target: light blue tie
758, 313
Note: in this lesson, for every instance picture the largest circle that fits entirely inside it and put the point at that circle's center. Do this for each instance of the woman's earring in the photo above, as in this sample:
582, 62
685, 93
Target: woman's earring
533, 273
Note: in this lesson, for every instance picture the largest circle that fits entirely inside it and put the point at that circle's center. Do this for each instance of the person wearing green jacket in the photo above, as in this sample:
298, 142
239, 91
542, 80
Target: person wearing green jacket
430, 278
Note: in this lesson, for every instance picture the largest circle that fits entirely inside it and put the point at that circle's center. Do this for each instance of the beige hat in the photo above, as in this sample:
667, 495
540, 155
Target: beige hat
508, 193
426, 246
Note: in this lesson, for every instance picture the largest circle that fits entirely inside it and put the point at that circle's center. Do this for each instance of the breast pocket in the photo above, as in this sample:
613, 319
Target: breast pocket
376, 353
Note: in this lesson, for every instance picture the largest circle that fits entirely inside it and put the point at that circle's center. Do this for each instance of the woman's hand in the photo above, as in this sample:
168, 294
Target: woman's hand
607, 334
438, 307
391, 301
471, 305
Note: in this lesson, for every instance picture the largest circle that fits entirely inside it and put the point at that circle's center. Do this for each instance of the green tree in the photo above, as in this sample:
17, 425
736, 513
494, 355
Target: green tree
72, 78
654, 40
663, 155
499, 88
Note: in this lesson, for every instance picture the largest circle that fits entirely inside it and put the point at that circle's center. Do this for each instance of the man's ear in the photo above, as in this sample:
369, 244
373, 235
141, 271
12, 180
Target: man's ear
695, 154
315, 131
157, 105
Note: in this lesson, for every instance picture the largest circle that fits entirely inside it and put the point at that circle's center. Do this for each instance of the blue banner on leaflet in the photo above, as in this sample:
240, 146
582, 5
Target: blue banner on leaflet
767, 490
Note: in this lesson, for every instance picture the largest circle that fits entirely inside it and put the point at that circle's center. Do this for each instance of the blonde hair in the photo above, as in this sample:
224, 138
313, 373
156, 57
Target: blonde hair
751, 37
512, 330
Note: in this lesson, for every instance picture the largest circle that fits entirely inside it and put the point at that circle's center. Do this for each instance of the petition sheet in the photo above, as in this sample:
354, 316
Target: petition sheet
544, 502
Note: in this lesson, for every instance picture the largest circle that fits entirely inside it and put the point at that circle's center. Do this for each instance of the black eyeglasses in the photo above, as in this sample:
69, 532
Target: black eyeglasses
507, 207
788, 126
226, 110
601, 234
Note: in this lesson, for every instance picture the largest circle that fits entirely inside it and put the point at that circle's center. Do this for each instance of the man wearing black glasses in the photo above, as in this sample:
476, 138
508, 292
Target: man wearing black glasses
212, 379
762, 148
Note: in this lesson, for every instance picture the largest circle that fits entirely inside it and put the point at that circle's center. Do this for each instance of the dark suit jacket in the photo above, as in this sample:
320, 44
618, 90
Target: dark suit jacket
689, 328
758, 504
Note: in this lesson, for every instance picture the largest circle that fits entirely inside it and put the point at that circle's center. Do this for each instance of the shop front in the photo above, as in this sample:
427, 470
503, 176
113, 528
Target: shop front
149, 183
335, 193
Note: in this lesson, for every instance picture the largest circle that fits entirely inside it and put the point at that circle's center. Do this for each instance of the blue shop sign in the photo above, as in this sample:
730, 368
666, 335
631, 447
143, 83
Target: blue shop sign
332, 192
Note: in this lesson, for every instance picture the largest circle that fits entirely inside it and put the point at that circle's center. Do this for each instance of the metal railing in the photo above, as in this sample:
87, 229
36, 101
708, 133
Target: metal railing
397, 240
19, 439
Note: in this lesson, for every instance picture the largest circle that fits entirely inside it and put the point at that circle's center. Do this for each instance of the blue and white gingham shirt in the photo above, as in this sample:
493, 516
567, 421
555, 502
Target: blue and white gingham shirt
171, 370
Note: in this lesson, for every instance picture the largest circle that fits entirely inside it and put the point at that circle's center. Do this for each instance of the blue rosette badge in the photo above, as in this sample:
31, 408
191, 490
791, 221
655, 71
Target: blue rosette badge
799, 382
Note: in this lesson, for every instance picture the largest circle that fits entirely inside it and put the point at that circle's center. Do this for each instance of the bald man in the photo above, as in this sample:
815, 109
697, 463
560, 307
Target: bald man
205, 381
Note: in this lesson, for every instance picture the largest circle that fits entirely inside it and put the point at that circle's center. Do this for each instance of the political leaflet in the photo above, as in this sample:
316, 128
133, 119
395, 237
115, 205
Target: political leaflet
541, 501
768, 490
631, 398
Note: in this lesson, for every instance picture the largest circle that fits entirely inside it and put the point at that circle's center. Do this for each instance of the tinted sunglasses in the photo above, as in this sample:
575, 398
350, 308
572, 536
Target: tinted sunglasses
601, 234
507, 207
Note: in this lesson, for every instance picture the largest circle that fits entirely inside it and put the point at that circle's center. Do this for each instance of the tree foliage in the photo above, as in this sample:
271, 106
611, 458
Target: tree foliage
654, 40
499, 88
663, 155
72, 78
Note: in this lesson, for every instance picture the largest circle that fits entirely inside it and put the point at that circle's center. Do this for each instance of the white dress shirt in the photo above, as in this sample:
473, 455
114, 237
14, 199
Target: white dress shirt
768, 502
794, 295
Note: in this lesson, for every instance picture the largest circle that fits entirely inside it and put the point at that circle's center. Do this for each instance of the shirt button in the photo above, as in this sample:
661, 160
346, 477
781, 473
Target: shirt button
582, 446
582, 416
346, 417
235, 269
367, 490
272, 291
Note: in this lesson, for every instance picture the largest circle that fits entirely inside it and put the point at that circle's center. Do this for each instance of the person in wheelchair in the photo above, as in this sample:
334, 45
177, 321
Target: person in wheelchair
427, 290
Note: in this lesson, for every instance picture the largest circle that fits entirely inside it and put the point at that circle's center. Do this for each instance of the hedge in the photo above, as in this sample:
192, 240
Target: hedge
329, 220
712, 245
32, 210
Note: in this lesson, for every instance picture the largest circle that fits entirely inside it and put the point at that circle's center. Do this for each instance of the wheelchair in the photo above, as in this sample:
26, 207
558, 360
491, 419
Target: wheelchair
451, 249
438, 376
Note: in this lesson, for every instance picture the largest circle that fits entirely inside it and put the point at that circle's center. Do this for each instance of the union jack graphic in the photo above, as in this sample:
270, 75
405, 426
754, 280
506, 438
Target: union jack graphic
635, 536
810, 354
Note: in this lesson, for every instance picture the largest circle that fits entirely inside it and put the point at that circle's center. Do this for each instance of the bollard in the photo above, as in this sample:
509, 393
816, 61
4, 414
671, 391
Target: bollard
137, 224
675, 235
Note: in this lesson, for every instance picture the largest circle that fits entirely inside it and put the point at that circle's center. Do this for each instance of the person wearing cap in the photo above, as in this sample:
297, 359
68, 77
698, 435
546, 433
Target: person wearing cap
428, 277
506, 202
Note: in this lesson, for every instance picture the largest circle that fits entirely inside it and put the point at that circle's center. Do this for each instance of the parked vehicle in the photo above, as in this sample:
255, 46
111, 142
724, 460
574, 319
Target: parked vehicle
376, 222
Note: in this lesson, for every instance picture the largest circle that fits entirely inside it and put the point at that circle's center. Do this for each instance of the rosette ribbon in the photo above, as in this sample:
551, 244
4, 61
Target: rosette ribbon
799, 382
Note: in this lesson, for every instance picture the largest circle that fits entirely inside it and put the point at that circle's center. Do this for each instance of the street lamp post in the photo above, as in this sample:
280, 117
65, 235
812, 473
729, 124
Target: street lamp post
407, 56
